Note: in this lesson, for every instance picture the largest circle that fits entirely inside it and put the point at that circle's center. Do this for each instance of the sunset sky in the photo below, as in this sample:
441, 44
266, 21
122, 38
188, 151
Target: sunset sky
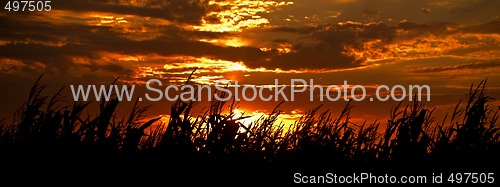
447, 44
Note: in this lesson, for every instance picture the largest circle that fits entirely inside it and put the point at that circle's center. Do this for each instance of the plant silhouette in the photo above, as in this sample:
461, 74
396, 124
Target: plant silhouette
215, 145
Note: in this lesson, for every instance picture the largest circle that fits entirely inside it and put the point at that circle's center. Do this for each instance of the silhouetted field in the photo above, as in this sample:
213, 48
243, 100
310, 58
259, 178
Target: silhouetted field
215, 147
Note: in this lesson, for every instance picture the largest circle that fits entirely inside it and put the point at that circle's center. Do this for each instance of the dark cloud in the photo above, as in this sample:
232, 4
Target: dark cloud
37, 42
478, 65
392, 11
492, 27
436, 29
331, 46
182, 11
51, 56
333, 42
328, 46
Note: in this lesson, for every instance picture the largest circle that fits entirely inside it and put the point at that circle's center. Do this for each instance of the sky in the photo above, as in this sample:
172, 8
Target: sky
446, 44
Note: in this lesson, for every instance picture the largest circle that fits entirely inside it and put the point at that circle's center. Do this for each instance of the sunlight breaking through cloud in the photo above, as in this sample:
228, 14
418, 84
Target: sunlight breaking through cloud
237, 15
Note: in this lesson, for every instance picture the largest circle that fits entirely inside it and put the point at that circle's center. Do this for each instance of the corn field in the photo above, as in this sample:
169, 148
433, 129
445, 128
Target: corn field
216, 146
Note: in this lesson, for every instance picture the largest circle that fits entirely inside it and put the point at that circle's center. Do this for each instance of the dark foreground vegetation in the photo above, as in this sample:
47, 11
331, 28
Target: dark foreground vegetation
62, 142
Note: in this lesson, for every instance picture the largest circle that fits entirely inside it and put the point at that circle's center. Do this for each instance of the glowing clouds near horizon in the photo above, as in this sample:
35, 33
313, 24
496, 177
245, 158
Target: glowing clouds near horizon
176, 69
468, 46
204, 65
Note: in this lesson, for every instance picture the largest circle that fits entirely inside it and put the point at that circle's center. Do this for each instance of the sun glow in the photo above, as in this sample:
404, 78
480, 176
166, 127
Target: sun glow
249, 117
233, 42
